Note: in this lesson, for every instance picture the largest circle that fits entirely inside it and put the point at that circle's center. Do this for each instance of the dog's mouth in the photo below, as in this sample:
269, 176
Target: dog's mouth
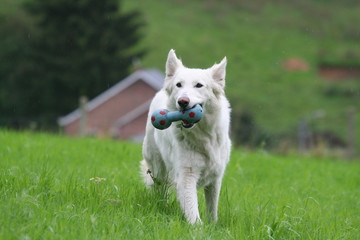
187, 108
185, 124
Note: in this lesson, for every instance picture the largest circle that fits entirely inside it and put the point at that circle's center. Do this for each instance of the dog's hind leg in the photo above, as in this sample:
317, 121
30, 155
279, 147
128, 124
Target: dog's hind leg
212, 192
146, 173
153, 172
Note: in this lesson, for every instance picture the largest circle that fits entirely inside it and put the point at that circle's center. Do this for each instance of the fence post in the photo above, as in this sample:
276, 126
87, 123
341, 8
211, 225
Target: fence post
302, 136
351, 134
82, 124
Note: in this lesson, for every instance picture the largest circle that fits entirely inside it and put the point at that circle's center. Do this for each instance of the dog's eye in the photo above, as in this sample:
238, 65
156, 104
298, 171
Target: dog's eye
199, 85
178, 85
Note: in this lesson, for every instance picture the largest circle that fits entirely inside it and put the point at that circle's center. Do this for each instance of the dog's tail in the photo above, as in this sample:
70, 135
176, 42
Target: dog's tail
146, 173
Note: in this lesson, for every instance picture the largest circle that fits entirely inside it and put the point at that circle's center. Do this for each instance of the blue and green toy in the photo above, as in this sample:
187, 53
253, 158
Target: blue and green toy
162, 118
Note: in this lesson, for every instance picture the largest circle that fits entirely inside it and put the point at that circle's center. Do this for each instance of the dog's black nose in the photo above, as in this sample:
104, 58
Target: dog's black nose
183, 102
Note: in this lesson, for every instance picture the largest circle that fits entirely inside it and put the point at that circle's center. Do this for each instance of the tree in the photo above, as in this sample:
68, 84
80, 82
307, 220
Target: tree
14, 49
77, 48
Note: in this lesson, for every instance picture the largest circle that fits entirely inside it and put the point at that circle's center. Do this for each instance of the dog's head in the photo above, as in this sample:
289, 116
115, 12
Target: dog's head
187, 87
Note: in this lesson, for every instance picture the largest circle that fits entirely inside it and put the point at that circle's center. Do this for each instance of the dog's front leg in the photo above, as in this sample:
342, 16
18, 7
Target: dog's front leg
212, 192
187, 194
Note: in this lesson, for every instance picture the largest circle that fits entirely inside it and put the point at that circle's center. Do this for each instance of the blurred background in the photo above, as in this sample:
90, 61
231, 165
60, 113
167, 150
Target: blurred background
90, 67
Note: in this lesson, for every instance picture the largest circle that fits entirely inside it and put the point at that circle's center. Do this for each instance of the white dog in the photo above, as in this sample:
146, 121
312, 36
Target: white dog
190, 155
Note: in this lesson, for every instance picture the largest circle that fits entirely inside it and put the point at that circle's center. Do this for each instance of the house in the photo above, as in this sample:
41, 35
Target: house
119, 112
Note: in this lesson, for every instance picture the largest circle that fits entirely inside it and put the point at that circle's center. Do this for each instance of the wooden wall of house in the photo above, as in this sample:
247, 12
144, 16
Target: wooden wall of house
102, 118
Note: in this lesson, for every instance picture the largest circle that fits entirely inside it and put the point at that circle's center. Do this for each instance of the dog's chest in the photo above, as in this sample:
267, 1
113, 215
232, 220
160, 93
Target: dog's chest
207, 149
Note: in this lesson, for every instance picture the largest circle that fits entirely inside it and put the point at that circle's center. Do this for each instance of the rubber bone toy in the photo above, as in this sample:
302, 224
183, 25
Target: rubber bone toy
162, 118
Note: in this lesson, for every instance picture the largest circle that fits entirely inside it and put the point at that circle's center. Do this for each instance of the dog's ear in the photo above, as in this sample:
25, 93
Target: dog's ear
172, 63
219, 72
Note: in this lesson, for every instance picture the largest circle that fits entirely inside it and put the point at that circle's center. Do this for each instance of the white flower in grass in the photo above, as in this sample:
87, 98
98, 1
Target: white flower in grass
97, 179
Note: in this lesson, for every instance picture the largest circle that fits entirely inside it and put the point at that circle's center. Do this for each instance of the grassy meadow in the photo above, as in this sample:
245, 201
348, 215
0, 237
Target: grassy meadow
258, 37
47, 191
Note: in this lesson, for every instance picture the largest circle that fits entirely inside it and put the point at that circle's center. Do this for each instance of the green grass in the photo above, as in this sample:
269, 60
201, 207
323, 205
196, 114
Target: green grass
46, 193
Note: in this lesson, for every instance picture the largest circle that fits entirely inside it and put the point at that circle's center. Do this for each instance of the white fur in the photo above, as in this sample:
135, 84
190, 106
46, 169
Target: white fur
190, 157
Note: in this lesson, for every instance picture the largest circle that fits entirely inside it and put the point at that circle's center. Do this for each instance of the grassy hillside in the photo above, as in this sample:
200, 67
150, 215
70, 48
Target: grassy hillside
257, 37
46, 192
